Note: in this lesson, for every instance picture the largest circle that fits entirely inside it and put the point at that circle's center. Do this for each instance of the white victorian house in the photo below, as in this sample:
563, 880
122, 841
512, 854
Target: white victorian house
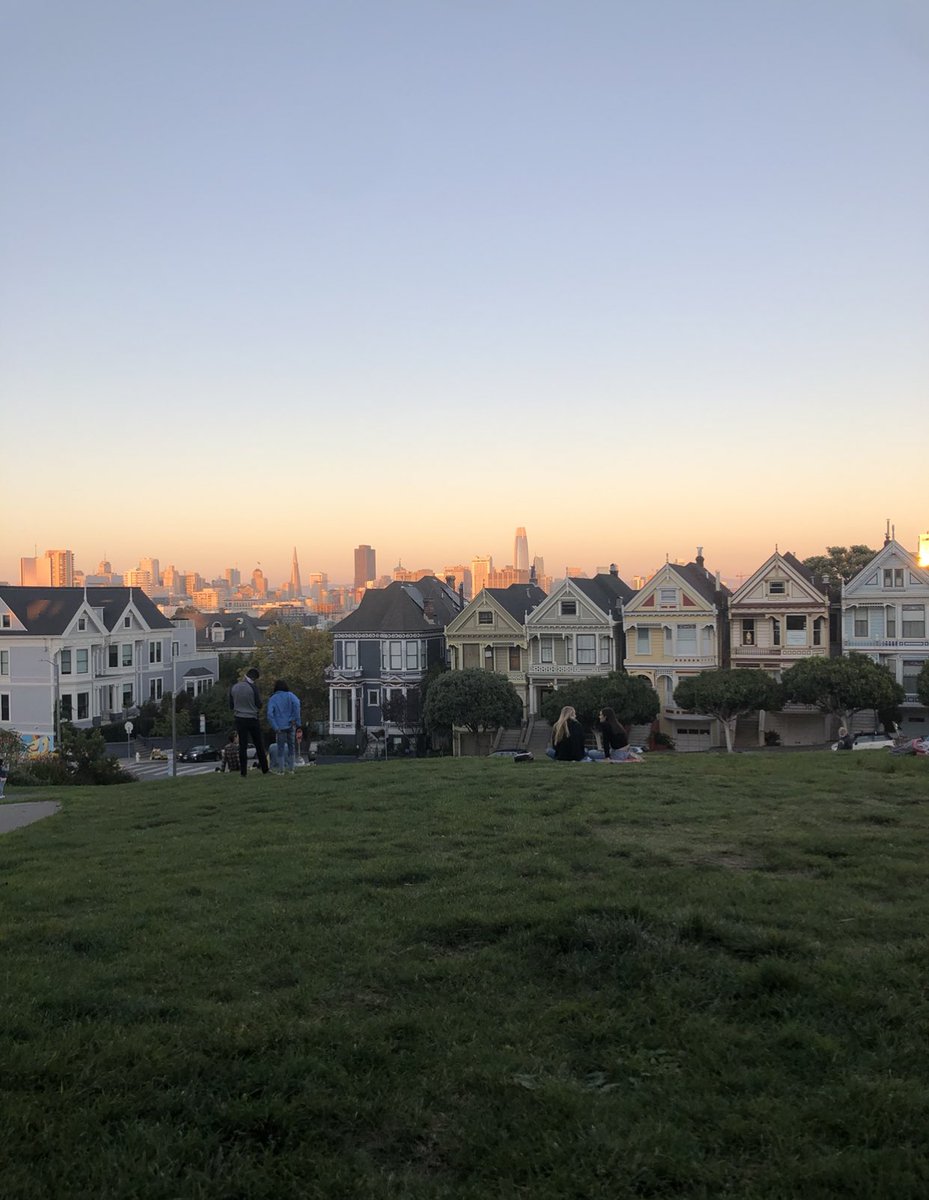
778, 617
884, 616
577, 631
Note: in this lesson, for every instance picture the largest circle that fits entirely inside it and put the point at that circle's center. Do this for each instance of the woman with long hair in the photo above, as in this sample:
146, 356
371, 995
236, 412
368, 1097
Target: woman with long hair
615, 741
568, 738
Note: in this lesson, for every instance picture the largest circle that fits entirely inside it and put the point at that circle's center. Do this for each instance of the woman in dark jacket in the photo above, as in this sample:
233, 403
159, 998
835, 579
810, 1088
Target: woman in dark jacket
615, 742
568, 738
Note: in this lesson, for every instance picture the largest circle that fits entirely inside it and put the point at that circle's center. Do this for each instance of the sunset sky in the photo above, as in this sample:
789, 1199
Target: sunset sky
637, 276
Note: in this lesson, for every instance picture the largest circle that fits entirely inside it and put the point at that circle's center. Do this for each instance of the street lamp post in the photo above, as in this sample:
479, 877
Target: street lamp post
53, 663
174, 718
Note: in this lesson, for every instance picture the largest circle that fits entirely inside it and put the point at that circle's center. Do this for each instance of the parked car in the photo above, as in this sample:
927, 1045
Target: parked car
158, 755
199, 754
870, 741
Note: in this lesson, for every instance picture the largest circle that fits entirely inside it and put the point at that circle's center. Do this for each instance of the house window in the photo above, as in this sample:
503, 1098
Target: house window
890, 622
893, 577
127, 622
515, 663
342, 706
748, 631
667, 597
412, 656
796, 631
911, 670
586, 649
155, 689
374, 697
569, 608
175, 649
81, 662
82, 624
5, 621
643, 640
485, 617
861, 622
914, 621
350, 651
155, 652
65, 662
777, 587
127, 695
818, 631
4, 662
687, 639
775, 632
112, 655
668, 640
395, 655
66, 709
127, 654
4, 706
546, 649
606, 651
83, 706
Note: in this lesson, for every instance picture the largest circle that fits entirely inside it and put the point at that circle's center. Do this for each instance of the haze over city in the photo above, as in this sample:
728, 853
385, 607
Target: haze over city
638, 277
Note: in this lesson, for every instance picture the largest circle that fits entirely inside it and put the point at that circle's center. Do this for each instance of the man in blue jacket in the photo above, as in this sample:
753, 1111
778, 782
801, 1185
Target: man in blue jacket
284, 717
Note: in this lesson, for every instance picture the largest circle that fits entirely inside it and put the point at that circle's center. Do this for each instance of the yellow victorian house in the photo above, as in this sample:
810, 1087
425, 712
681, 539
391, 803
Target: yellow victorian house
676, 626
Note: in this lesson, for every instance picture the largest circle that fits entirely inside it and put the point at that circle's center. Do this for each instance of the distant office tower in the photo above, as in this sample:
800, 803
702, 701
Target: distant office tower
365, 565
481, 568
60, 568
191, 581
539, 563
138, 578
521, 550
506, 576
104, 566
34, 572
296, 591
461, 576
233, 576
153, 567
171, 577
259, 583
638, 582
575, 573
402, 574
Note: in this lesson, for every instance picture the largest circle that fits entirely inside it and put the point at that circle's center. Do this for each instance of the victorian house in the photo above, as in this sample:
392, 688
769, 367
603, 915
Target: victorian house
382, 651
675, 626
89, 656
884, 616
490, 634
778, 617
575, 632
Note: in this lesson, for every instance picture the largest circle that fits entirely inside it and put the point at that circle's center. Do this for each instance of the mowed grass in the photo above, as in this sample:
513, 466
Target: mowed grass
703, 976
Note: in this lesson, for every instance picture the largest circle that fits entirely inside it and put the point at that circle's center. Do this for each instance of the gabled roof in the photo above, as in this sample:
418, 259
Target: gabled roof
234, 625
700, 580
517, 599
48, 611
741, 595
401, 608
891, 550
606, 590
692, 575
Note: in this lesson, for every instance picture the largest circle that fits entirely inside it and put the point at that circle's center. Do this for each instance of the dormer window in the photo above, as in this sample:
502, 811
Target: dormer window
893, 577
485, 617
82, 623
127, 622
667, 597
777, 587
569, 608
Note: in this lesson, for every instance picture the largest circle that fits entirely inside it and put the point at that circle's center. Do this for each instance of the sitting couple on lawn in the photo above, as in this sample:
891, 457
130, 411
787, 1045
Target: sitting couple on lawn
568, 740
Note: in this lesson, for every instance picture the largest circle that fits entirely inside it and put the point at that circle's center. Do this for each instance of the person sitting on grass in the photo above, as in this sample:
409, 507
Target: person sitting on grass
568, 739
230, 759
615, 742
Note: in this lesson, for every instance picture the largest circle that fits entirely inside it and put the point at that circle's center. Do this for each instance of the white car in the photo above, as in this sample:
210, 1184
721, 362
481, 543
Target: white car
870, 741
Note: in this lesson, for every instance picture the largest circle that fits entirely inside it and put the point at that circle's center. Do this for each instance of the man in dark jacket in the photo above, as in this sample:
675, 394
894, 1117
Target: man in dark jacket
245, 702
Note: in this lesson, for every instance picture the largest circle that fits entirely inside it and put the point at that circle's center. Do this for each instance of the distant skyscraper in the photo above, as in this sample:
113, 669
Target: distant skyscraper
481, 567
462, 577
365, 565
259, 583
233, 576
153, 567
61, 567
296, 591
539, 563
521, 550
34, 572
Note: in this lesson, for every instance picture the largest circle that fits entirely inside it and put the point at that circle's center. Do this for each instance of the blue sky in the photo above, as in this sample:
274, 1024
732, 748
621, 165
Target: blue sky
635, 276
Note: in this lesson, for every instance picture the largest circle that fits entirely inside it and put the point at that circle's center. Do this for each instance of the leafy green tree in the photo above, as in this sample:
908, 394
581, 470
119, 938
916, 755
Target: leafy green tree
842, 686
728, 695
477, 700
922, 684
83, 753
12, 750
633, 699
840, 563
300, 657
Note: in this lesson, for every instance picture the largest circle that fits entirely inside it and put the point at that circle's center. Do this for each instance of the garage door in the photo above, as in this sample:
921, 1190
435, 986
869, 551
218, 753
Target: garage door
692, 738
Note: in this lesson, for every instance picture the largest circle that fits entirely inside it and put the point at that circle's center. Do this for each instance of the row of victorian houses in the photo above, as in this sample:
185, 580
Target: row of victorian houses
683, 621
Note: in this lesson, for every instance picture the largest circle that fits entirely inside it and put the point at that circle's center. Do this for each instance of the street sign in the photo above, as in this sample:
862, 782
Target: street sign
202, 723
129, 727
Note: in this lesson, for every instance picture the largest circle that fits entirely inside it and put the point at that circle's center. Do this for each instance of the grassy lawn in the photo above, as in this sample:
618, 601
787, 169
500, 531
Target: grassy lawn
703, 976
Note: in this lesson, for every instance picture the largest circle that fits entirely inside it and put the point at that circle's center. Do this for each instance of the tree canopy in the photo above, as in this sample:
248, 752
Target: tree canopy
840, 563
300, 657
842, 686
728, 695
633, 699
473, 699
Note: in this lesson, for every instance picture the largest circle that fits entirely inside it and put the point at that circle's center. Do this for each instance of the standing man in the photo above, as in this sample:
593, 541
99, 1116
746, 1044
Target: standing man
245, 702
284, 717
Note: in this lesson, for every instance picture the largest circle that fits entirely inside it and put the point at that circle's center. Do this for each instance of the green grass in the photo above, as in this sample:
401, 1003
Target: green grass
704, 976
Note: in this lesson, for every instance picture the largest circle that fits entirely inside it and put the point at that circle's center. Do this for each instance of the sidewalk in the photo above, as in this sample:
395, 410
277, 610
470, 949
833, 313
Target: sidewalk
15, 816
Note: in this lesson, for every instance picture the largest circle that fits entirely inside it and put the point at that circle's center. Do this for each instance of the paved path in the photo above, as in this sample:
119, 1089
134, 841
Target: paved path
14, 816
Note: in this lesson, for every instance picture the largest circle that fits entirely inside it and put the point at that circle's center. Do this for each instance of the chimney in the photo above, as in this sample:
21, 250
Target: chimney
614, 570
699, 558
450, 580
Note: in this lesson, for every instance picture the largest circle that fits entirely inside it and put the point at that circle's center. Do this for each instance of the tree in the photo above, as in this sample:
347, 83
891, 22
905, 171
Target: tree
300, 657
83, 753
922, 684
842, 686
840, 563
476, 700
728, 695
633, 699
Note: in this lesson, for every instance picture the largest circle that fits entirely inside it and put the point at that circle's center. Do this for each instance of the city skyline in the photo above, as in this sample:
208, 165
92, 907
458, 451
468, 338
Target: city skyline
641, 277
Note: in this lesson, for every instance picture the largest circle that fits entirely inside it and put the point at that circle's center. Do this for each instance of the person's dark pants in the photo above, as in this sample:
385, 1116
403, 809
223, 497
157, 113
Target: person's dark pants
249, 727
